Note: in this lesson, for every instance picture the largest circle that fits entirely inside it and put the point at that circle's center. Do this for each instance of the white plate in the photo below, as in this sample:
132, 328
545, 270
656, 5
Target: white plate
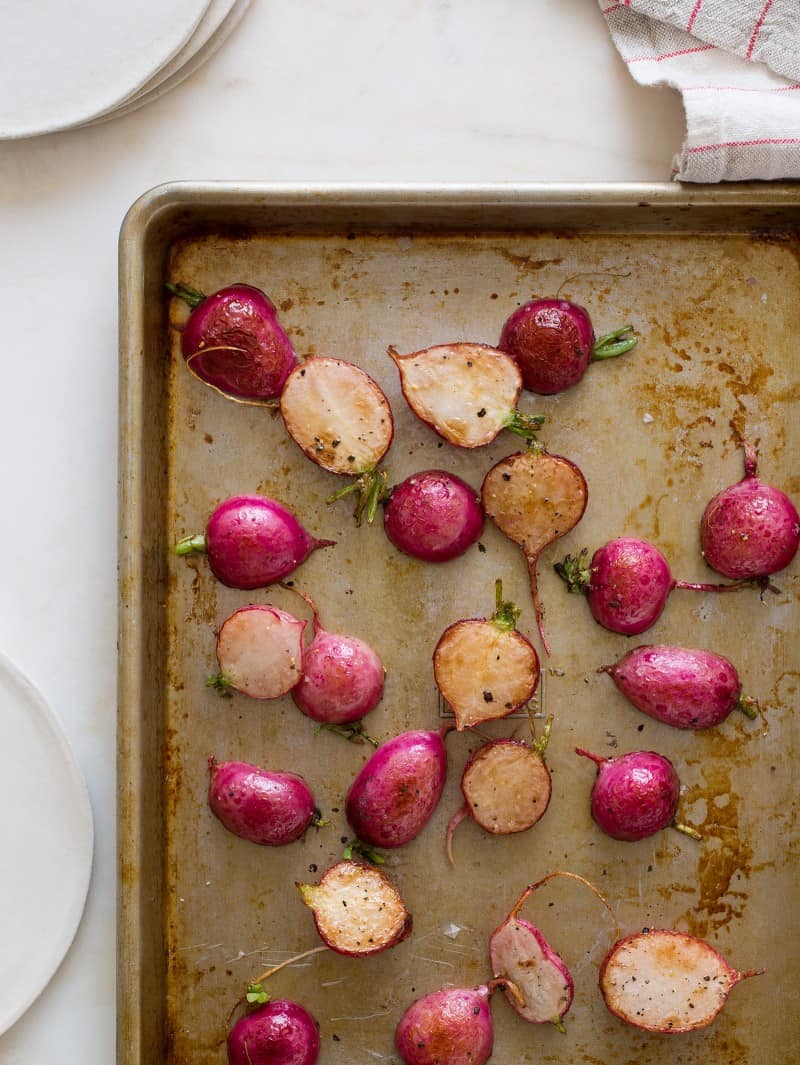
62, 63
46, 844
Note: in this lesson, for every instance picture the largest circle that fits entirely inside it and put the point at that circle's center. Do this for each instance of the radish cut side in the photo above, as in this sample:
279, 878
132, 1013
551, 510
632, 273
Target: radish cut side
338, 415
665, 981
467, 393
260, 652
520, 953
507, 787
357, 909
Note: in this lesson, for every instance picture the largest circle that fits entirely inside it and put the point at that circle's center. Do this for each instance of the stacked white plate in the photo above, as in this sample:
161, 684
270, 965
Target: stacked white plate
65, 65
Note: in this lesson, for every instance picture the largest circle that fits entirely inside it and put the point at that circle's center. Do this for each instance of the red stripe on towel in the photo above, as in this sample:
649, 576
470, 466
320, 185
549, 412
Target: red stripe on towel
742, 144
757, 29
693, 16
669, 55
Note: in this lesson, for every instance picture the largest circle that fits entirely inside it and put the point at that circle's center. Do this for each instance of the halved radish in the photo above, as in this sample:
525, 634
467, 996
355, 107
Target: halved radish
506, 786
357, 909
484, 668
535, 498
260, 652
343, 422
467, 393
667, 981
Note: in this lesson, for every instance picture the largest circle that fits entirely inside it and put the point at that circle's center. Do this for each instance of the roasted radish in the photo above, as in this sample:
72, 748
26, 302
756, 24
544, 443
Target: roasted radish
750, 530
448, 1027
393, 797
357, 909
666, 981
535, 498
690, 689
506, 786
484, 668
266, 807
233, 341
467, 393
635, 795
252, 541
343, 422
259, 651
279, 1033
552, 341
627, 584
434, 516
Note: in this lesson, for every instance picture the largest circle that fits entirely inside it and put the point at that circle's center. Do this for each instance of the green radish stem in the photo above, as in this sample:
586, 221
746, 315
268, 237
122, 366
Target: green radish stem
575, 571
506, 614
749, 707
613, 344
369, 854
222, 684
540, 745
372, 487
687, 830
354, 732
186, 293
526, 425
191, 545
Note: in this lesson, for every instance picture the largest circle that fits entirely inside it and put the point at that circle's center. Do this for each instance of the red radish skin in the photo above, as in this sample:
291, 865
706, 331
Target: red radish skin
259, 805
666, 981
552, 341
357, 909
260, 652
635, 795
467, 393
683, 687
433, 516
749, 530
395, 794
627, 584
534, 498
448, 1027
280, 1033
234, 342
252, 541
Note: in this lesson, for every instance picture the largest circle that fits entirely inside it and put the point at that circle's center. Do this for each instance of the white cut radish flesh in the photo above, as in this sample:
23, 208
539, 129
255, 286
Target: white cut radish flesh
343, 422
467, 393
260, 652
535, 498
667, 981
484, 668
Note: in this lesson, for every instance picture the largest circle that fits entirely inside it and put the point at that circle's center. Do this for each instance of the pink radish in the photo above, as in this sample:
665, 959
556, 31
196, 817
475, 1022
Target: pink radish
690, 689
635, 795
343, 422
467, 393
279, 1033
667, 981
506, 786
266, 807
394, 796
627, 584
434, 516
484, 668
252, 541
749, 530
535, 498
357, 909
520, 954
448, 1027
259, 651
233, 341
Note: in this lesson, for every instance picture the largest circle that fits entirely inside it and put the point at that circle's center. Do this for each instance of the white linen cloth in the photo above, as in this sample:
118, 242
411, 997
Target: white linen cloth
737, 66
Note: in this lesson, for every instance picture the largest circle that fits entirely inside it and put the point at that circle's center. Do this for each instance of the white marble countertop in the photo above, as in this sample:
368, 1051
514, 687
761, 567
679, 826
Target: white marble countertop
516, 90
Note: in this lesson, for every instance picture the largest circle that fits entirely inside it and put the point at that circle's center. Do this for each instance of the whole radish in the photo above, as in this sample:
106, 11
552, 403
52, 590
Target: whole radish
750, 530
534, 498
279, 1033
627, 584
667, 981
342, 677
433, 515
394, 796
357, 909
342, 421
552, 341
448, 1027
252, 541
233, 341
690, 689
506, 786
260, 805
484, 668
259, 651
635, 795
467, 393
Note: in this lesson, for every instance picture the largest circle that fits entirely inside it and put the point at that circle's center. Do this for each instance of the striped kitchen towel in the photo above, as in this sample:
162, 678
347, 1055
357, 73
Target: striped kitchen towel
737, 65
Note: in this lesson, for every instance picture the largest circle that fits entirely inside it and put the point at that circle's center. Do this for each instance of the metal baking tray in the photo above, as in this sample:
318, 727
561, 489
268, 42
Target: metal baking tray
710, 280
